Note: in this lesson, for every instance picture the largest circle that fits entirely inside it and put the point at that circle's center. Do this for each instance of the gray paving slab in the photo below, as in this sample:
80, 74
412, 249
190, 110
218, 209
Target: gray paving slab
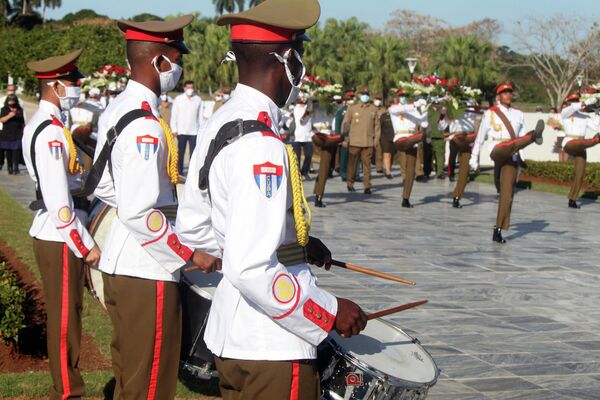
518, 321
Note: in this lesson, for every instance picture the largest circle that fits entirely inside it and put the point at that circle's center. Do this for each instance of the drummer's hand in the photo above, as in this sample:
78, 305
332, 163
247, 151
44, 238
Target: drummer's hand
205, 262
93, 257
350, 318
317, 253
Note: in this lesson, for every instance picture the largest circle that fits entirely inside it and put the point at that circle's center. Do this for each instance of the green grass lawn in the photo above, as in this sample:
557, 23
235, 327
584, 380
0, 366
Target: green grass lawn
538, 186
14, 227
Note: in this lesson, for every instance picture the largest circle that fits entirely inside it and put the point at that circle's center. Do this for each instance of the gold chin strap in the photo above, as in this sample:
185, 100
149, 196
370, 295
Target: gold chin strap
300, 205
74, 166
173, 157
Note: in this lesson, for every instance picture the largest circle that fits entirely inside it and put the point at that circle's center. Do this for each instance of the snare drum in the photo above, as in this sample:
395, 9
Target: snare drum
101, 217
382, 363
197, 290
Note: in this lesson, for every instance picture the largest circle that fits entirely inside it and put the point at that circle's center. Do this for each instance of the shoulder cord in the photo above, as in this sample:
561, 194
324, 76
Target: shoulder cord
496, 126
300, 205
74, 166
173, 156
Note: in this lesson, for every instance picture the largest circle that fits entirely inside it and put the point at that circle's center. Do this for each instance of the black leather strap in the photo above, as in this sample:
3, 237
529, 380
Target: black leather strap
229, 133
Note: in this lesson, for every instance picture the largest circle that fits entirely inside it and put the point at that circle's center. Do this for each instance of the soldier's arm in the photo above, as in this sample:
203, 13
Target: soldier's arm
571, 109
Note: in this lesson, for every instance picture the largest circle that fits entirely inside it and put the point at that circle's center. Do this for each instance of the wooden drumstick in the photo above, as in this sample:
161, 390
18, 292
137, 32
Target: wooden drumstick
394, 310
372, 272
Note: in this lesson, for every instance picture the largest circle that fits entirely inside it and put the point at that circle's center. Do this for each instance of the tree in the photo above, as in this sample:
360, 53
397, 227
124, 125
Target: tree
146, 17
468, 59
386, 63
557, 50
81, 14
223, 6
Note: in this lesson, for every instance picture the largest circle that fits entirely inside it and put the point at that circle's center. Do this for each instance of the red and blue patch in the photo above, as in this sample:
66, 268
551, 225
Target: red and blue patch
147, 146
268, 178
56, 149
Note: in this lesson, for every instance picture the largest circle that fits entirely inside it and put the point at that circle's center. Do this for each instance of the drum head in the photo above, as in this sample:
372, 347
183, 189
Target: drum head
203, 284
386, 349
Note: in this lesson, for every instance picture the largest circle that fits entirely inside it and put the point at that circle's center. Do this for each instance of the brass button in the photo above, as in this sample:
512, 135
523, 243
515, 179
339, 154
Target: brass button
310, 310
326, 319
319, 315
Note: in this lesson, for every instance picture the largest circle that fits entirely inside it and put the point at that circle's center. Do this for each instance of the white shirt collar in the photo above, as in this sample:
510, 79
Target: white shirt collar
258, 99
50, 108
138, 90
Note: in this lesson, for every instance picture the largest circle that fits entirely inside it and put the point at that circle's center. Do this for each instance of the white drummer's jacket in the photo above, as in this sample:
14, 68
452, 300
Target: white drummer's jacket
141, 241
465, 124
493, 128
577, 123
261, 310
406, 119
59, 222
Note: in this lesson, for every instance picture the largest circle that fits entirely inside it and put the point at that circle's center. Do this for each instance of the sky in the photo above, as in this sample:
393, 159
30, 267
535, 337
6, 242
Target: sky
374, 12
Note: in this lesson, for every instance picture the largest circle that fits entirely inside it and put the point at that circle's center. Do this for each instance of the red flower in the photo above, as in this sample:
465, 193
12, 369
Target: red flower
426, 81
450, 87
456, 81
444, 82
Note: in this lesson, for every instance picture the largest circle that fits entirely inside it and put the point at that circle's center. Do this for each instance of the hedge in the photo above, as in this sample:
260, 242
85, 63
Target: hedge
12, 299
563, 171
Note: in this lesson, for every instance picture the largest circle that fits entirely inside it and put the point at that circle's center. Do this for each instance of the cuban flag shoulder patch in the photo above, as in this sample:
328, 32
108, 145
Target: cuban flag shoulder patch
147, 146
268, 178
56, 149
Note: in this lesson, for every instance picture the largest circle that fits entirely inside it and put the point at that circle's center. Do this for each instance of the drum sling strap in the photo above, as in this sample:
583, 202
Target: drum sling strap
506, 122
80, 202
104, 157
291, 254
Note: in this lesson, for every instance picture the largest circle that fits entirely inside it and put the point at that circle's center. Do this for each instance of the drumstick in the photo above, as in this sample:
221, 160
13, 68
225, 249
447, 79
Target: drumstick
372, 272
394, 310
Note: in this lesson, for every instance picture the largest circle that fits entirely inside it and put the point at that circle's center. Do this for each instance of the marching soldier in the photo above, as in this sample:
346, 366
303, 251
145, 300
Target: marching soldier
378, 102
408, 122
267, 315
337, 125
576, 122
361, 124
143, 253
463, 131
328, 142
435, 133
505, 126
386, 144
60, 240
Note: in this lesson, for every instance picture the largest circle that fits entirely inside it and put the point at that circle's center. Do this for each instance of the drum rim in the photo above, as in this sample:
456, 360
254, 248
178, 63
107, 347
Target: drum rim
393, 380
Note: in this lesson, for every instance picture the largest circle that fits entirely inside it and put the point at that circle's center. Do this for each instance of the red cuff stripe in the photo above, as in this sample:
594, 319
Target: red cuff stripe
182, 251
76, 238
317, 314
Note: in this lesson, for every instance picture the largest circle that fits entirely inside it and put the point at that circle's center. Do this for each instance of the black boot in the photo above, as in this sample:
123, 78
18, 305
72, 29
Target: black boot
351, 189
573, 204
456, 203
319, 202
368, 191
389, 176
10, 169
406, 203
497, 237
537, 132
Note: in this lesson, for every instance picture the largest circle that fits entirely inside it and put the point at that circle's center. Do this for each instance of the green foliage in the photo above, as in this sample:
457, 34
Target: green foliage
102, 45
12, 297
563, 171
81, 14
146, 17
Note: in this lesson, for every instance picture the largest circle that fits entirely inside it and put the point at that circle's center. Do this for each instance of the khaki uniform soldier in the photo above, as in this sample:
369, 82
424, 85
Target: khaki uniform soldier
463, 132
143, 253
378, 102
363, 127
386, 144
408, 123
505, 126
268, 315
60, 240
577, 123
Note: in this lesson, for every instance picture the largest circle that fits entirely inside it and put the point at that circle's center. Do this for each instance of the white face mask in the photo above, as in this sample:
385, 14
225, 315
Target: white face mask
189, 92
163, 97
296, 82
168, 79
377, 103
364, 98
403, 100
218, 98
71, 98
226, 97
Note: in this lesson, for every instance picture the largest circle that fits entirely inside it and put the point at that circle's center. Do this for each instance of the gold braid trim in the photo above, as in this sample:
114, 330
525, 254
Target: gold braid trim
74, 165
173, 156
496, 127
300, 205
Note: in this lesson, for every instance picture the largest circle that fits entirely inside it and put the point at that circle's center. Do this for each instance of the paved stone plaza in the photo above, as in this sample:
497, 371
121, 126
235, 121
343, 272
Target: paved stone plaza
517, 321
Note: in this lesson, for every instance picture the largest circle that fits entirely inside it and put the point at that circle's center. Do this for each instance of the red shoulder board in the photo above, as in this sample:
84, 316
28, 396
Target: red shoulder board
493, 108
146, 107
56, 122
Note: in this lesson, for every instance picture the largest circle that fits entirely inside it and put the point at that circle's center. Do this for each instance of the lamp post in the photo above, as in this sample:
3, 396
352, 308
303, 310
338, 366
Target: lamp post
579, 79
412, 64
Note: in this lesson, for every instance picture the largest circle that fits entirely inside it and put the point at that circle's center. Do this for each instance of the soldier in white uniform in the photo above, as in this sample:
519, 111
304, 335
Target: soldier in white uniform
268, 315
505, 127
143, 253
60, 240
463, 131
577, 123
409, 122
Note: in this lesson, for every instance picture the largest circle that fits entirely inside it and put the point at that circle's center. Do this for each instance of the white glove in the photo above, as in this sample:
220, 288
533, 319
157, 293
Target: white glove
420, 103
590, 101
473, 163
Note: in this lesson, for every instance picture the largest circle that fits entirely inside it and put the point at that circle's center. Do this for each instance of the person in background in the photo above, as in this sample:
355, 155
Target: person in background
378, 154
11, 89
165, 104
13, 120
84, 118
386, 144
206, 109
185, 120
303, 133
221, 97
343, 153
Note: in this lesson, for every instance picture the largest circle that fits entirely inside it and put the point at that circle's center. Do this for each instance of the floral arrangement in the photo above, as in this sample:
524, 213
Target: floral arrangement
107, 74
591, 91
